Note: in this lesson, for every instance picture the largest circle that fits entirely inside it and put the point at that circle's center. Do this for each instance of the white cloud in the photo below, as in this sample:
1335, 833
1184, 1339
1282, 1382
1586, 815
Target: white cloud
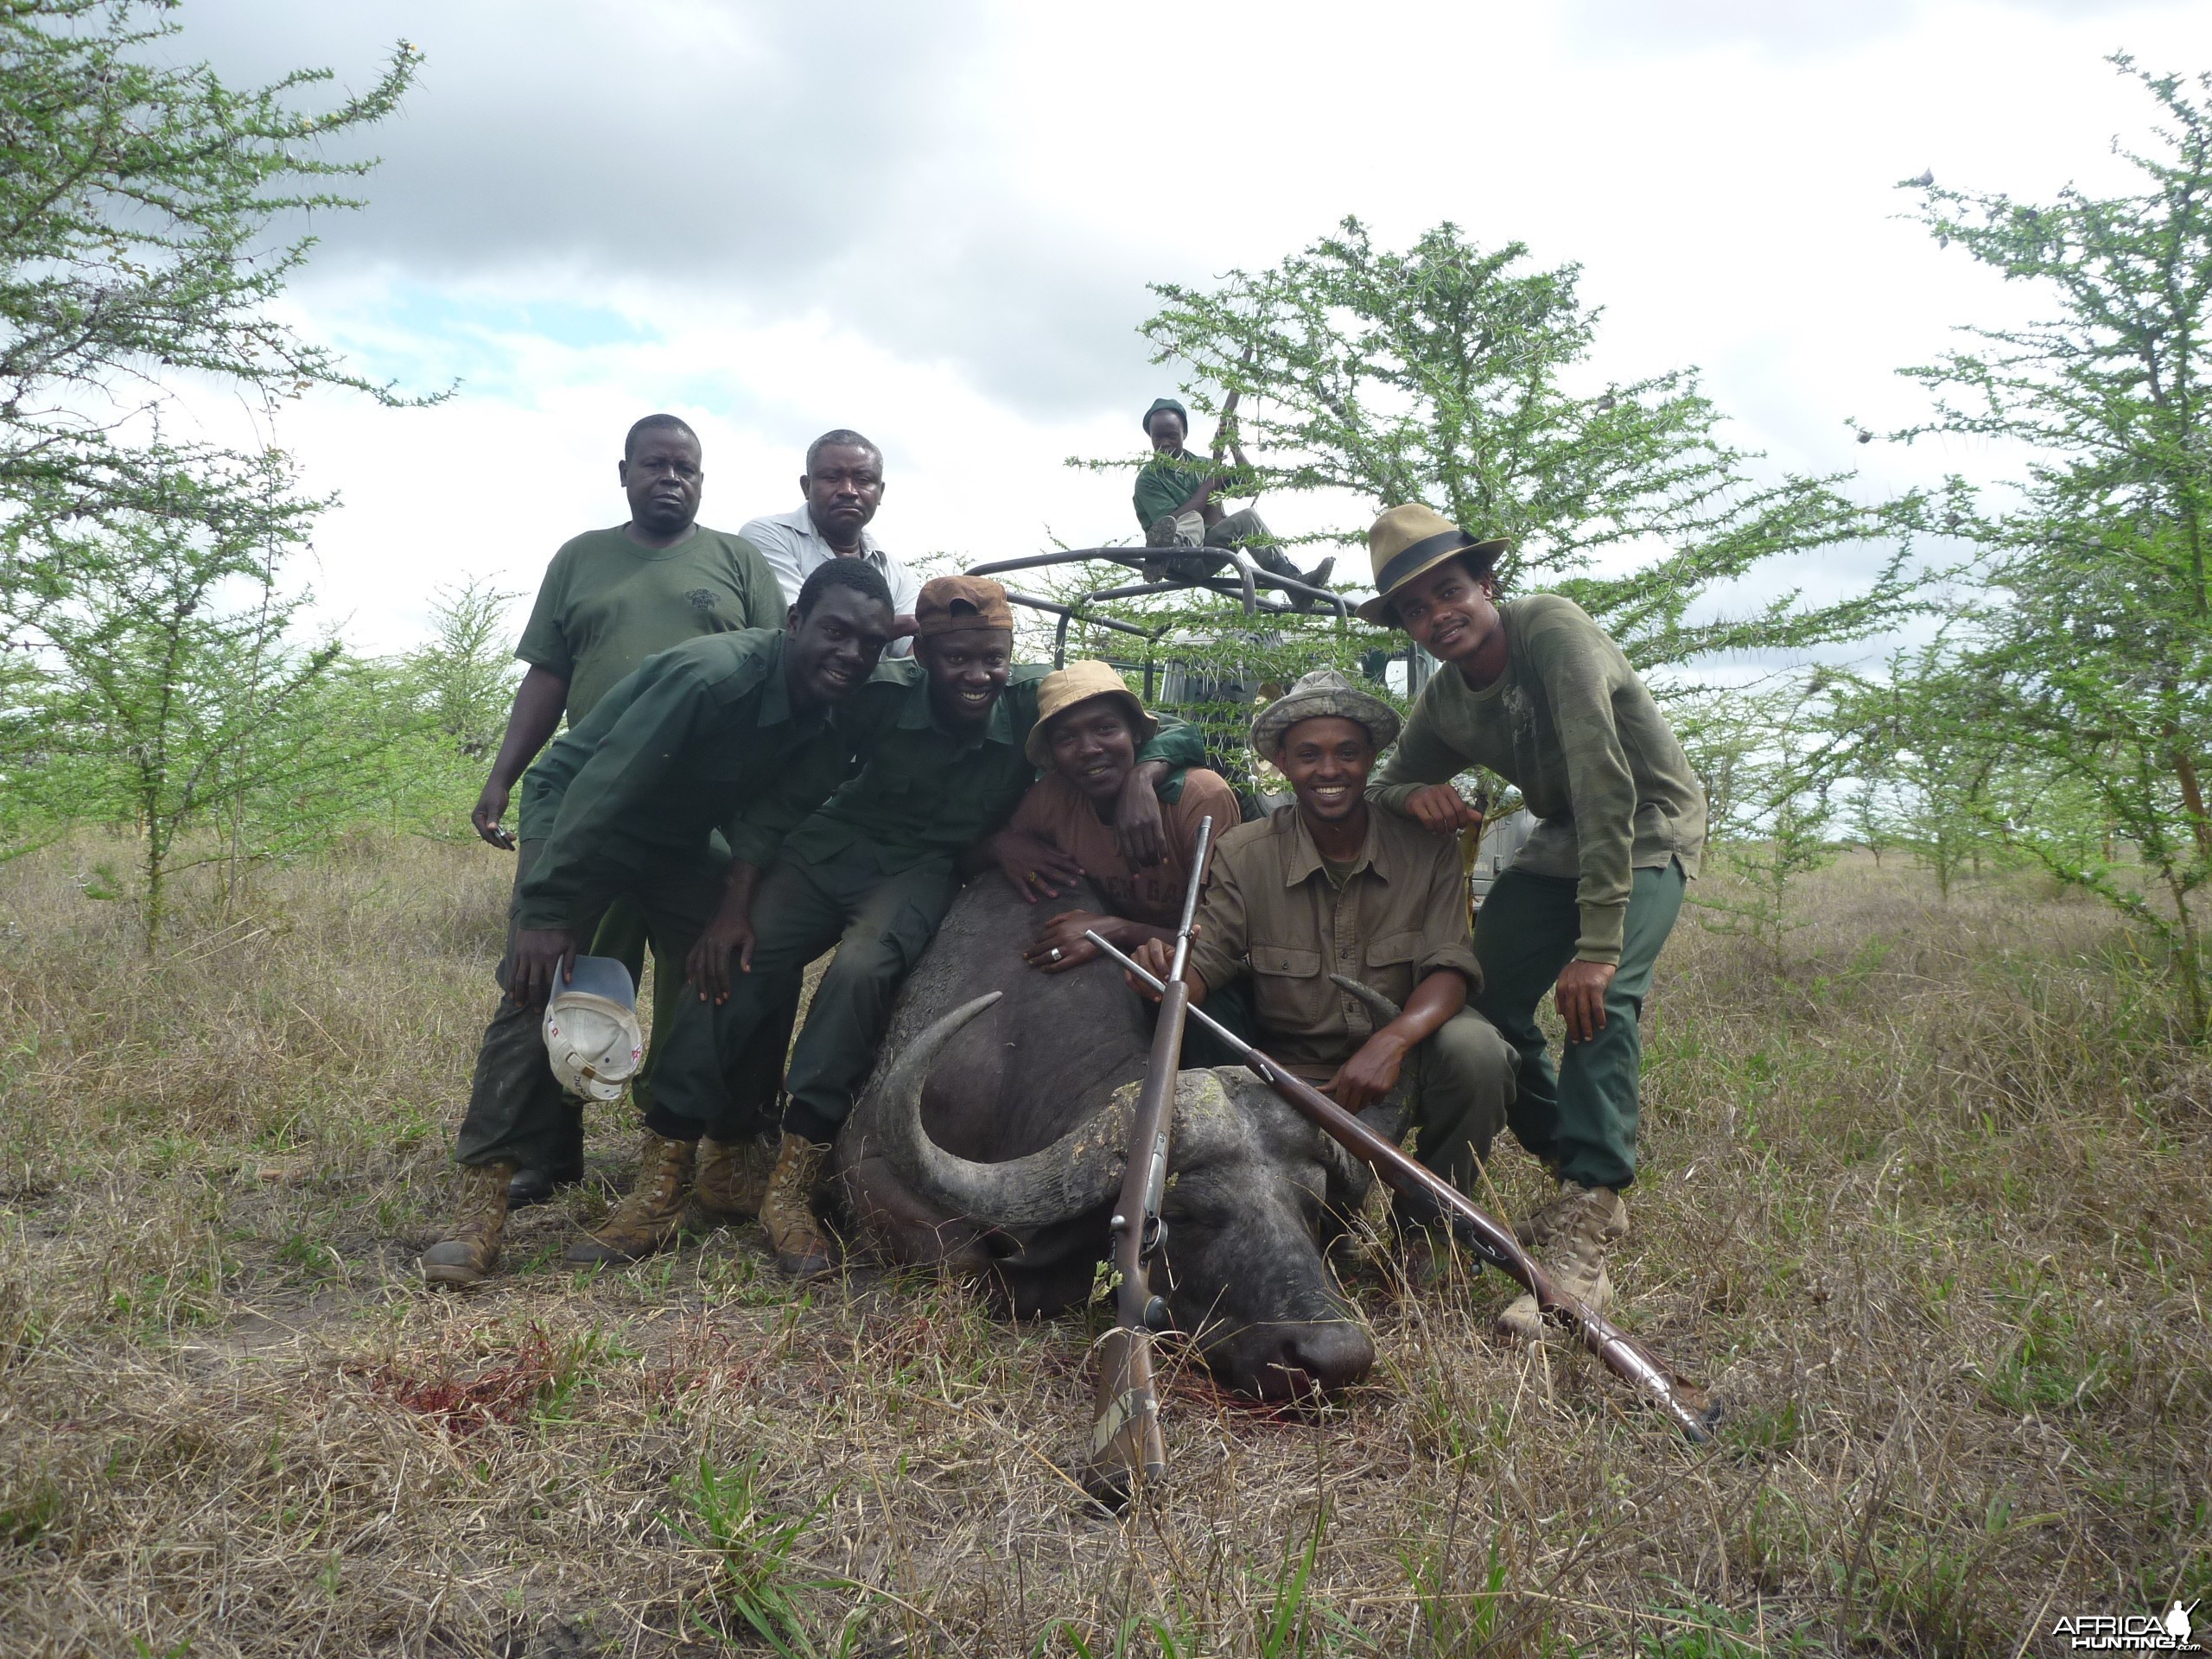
936, 224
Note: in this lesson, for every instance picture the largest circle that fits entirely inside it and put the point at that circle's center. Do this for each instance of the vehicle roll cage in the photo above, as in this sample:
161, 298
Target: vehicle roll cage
1241, 579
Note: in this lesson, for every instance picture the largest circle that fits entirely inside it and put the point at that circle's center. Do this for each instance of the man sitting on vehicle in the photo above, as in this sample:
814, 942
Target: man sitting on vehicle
1178, 506
1088, 731
1326, 886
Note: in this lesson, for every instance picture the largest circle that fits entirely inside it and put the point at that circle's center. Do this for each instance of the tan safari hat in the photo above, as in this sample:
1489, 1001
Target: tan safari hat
1062, 689
948, 604
1407, 540
1324, 691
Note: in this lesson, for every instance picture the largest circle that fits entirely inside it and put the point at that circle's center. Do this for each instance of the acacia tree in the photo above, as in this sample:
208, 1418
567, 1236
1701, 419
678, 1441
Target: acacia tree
2091, 639
136, 209
1444, 374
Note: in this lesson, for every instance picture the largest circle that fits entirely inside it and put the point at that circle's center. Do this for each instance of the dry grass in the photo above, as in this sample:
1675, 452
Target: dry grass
1929, 1208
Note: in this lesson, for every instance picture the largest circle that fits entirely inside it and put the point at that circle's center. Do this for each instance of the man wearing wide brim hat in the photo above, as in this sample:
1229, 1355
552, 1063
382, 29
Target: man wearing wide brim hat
1178, 505
1089, 729
1535, 691
1326, 886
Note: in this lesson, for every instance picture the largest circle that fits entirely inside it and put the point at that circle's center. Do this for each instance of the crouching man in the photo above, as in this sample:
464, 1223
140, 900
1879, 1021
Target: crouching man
1088, 732
942, 745
1326, 886
634, 795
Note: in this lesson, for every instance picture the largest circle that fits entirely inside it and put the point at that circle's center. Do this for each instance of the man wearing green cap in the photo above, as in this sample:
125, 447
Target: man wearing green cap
1327, 887
1534, 690
1177, 506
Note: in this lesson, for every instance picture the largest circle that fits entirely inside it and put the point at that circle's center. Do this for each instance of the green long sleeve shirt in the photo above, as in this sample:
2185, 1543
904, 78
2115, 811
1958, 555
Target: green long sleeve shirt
1165, 481
1570, 725
683, 747
923, 790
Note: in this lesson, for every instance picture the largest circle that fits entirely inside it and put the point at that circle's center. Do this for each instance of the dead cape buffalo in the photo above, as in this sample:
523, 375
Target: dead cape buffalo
994, 1144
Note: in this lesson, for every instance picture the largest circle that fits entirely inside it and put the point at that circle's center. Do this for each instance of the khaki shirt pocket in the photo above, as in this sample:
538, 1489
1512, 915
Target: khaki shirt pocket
1288, 993
1389, 960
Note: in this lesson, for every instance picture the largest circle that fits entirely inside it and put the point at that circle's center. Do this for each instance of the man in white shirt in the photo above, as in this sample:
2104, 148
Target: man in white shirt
844, 485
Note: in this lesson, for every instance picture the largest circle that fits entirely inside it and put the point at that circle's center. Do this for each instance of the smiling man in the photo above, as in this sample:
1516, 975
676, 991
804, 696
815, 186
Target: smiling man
1534, 690
942, 742
631, 799
842, 487
612, 598
1088, 729
1326, 886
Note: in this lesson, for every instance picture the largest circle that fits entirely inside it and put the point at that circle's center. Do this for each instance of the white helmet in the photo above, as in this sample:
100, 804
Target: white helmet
591, 1029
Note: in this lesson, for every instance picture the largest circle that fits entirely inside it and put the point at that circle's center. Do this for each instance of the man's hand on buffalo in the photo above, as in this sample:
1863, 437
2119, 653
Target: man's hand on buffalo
543, 956
1035, 869
1060, 946
1140, 829
729, 933
1370, 1074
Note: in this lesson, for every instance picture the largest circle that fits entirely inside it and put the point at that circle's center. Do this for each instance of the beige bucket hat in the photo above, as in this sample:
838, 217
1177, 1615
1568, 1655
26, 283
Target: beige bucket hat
1407, 540
1080, 681
1324, 691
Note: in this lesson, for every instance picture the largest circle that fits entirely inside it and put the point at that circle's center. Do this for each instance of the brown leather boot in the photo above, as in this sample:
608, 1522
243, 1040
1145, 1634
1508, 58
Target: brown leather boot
732, 1177
646, 1220
471, 1251
1568, 1236
787, 1208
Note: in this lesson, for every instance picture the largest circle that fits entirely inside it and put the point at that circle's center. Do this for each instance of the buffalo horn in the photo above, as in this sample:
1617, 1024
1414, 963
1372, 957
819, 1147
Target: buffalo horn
1076, 1172
1384, 1009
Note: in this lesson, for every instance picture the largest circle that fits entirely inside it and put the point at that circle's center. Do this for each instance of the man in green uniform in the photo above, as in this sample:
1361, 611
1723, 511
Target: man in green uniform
942, 742
1536, 692
1326, 886
1177, 506
631, 800
612, 598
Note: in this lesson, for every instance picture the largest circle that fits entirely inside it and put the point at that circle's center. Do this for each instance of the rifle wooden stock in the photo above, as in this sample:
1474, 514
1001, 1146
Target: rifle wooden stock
1125, 1439
1692, 1411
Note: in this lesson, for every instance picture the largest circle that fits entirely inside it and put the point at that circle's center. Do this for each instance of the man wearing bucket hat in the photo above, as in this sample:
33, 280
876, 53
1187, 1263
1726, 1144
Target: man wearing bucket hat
942, 744
1088, 729
633, 797
1176, 507
1534, 690
1327, 886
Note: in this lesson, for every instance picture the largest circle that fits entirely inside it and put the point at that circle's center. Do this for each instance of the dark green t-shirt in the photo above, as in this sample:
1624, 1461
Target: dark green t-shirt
1165, 483
607, 604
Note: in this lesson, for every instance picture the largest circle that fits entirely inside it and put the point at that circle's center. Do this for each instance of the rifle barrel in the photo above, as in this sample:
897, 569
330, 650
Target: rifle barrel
1621, 1353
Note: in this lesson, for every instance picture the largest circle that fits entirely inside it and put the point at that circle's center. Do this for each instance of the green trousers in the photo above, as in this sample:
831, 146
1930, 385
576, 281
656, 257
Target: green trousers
880, 925
1580, 1116
1463, 1091
517, 1107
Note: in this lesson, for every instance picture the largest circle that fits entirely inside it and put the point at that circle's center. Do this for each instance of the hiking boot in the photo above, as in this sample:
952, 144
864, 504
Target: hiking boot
732, 1177
787, 1208
1568, 1237
647, 1220
471, 1251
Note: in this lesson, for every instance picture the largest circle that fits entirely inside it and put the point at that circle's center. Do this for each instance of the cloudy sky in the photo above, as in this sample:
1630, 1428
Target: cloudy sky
936, 223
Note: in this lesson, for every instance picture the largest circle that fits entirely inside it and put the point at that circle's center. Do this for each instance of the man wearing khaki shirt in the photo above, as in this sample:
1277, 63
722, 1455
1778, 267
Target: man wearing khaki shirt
1325, 886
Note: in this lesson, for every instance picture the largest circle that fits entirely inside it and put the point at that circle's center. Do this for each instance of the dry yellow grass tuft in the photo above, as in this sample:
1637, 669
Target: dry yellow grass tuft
1928, 1204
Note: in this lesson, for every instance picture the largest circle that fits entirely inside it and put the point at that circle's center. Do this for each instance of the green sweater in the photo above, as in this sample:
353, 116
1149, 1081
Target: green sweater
1571, 726
688, 745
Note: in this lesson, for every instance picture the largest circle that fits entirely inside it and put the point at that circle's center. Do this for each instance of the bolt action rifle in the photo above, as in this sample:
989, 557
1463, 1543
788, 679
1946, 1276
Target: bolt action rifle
1429, 1195
1125, 1442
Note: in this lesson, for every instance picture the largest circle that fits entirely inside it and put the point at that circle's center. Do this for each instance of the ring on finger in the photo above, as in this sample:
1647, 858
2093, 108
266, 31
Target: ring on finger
1053, 955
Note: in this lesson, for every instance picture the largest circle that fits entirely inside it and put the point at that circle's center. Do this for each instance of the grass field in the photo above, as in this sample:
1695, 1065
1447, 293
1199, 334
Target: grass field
1927, 1202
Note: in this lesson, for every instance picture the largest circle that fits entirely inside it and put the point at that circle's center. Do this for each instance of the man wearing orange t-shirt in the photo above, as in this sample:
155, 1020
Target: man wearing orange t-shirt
1088, 732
